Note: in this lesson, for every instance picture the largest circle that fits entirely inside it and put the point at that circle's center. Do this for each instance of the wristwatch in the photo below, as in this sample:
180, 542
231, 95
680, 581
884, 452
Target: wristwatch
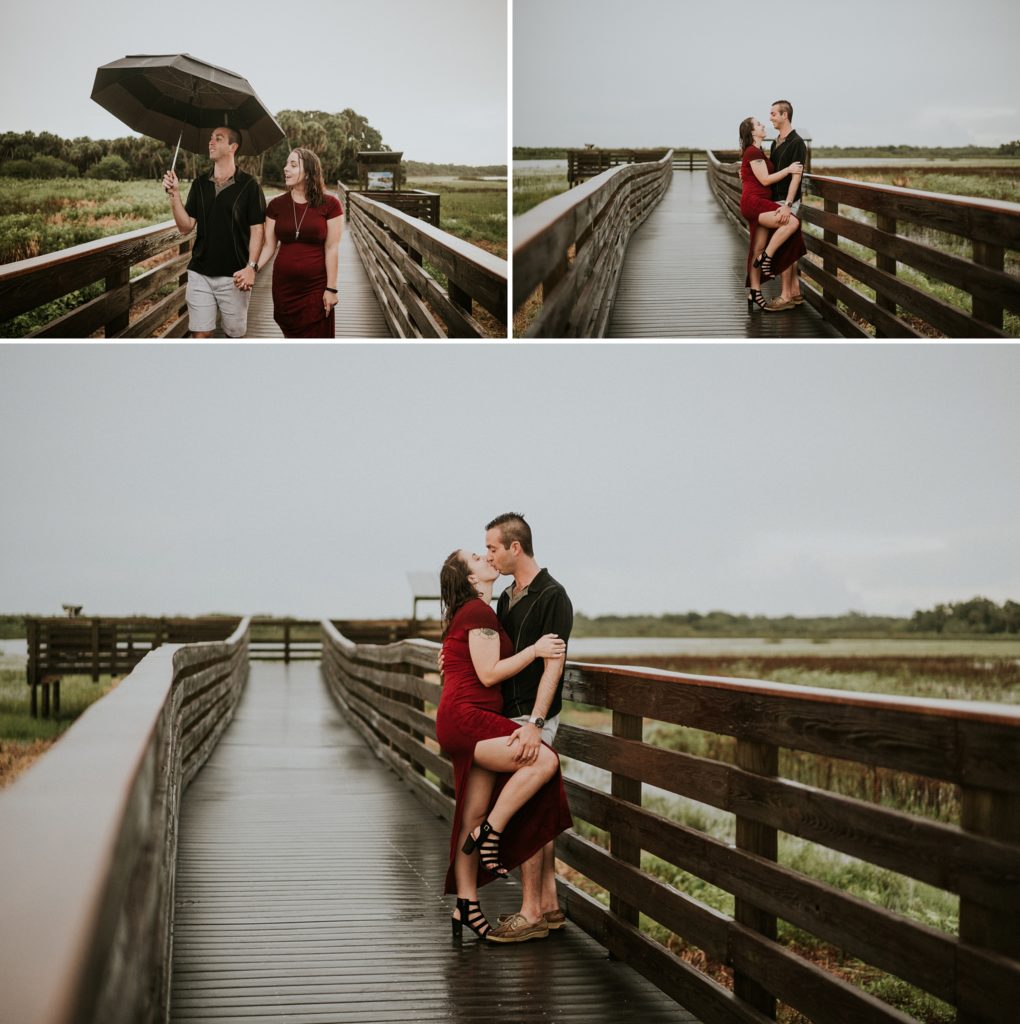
537, 720
254, 265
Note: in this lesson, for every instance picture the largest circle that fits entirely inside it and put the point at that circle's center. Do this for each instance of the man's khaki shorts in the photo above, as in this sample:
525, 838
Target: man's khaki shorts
207, 295
548, 730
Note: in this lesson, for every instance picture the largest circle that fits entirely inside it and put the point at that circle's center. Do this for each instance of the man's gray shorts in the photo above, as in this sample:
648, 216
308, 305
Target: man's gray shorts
548, 730
206, 295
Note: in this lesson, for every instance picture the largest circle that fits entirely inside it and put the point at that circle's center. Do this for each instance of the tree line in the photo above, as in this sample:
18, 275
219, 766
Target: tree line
977, 617
335, 138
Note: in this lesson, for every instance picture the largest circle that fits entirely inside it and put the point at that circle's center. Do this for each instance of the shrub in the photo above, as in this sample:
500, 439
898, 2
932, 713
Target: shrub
44, 166
17, 169
111, 167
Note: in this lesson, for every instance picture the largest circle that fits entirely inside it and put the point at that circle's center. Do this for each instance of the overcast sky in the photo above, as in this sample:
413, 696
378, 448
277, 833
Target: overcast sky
431, 77
308, 480
658, 72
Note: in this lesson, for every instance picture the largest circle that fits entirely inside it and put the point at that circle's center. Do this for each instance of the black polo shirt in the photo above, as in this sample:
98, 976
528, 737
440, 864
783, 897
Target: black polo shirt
224, 222
790, 151
545, 608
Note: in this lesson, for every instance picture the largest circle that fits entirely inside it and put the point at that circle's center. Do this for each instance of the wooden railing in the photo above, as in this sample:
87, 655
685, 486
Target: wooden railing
390, 692
90, 838
59, 647
572, 247
875, 255
106, 264
415, 202
285, 640
394, 248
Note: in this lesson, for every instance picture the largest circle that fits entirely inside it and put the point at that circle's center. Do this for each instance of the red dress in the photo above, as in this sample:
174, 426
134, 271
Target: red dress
756, 199
469, 712
299, 271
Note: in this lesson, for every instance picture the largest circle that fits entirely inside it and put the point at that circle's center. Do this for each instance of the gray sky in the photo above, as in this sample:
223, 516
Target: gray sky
659, 72
307, 480
431, 77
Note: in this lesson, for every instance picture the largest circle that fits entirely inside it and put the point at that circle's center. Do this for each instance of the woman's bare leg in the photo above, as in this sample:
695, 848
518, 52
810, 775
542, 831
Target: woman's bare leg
524, 782
782, 231
761, 235
477, 794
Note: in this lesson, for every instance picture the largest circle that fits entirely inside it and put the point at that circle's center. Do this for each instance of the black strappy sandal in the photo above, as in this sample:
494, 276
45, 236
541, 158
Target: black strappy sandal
471, 915
755, 298
764, 263
487, 842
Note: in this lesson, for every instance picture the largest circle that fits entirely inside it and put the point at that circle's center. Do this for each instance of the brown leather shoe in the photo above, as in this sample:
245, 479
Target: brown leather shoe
779, 304
797, 299
517, 928
554, 918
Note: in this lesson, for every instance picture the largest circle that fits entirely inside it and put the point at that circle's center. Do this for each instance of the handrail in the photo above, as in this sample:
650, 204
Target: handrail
90, 839
284, 640
27, 284
573, 245
394, 247
875, 249
389, 694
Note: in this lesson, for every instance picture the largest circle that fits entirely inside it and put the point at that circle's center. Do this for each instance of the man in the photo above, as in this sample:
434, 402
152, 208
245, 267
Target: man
787, 148
533, 605
229, 208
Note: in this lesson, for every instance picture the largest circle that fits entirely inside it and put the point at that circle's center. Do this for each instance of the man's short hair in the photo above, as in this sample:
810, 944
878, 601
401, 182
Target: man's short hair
512, 527
233, 135
785, 107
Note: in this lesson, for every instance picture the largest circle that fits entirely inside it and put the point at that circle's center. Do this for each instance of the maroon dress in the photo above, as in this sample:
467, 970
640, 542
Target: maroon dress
299, 271
756, 199
469, 712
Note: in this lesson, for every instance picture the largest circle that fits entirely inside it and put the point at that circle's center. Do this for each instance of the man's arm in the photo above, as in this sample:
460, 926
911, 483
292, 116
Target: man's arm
245, 278
184, 221
800, 157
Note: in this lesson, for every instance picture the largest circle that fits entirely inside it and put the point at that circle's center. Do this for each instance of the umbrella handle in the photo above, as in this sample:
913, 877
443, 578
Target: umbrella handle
176, 151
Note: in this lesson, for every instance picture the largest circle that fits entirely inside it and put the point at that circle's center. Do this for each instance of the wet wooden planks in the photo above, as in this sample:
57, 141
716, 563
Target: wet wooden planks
683, 276
309, 889
358, 314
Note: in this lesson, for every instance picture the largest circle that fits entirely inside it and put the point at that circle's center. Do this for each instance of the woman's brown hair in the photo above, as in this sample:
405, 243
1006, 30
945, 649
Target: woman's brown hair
315, 186
746, 133
455, 589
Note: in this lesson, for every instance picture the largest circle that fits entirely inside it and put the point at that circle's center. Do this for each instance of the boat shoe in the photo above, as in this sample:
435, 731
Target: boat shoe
517, 928
554, 918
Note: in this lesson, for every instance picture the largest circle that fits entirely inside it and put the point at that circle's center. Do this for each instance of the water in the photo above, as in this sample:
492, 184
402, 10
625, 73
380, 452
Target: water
13, 652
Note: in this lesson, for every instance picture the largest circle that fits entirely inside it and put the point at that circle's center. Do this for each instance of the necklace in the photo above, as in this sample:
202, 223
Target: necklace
298, 223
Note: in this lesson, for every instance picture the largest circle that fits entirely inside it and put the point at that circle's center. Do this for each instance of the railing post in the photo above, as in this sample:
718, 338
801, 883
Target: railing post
286, 642
993, 257
628, 727
458, 296
994, 814
828, 264
95, 650
762, 840
887, 263
120, 277
32, 670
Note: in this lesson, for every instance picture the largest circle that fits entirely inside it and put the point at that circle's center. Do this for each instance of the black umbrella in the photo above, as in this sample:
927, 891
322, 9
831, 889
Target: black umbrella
178, 98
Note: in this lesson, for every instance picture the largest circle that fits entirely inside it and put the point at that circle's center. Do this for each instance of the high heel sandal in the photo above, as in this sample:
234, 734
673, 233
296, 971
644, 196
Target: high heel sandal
487, 842
763, 261
755, 298
473, 918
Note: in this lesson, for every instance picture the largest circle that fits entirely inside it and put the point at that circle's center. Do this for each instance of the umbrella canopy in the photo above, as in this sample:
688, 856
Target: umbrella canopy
176, 96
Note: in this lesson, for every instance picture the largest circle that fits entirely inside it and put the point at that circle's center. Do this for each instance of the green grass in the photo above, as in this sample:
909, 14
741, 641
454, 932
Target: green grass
532, 189
470, 209
16, 723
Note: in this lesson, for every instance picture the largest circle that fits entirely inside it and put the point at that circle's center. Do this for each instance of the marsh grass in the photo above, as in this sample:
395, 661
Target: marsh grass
531, 189
23, 738
471, 209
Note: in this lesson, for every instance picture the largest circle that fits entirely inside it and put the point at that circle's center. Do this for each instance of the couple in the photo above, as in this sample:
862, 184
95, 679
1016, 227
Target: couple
770, 195
497, 716
237, 234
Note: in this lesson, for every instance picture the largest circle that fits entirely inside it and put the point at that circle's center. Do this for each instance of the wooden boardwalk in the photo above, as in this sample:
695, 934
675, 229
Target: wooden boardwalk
358, 314
309, 889
683, 276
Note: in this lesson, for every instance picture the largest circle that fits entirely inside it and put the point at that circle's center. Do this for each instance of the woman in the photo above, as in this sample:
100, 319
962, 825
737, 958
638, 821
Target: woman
505, 811
786, 245
306, 221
